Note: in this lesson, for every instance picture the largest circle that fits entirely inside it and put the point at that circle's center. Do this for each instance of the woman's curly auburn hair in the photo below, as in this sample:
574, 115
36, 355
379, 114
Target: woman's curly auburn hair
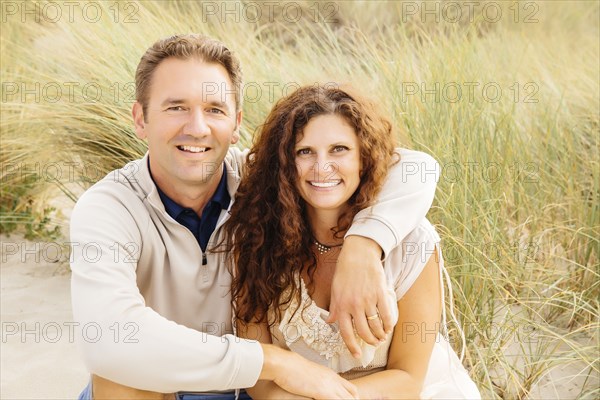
269, 233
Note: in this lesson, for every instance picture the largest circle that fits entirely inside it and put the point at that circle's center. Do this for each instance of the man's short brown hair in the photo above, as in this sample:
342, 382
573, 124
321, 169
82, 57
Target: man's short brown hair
185, 47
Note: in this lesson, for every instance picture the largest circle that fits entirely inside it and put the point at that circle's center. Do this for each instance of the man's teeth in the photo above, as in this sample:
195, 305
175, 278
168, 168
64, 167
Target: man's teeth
193, 149
326, 184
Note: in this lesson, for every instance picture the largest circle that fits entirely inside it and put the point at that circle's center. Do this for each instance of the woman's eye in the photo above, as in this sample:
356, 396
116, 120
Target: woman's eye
303, 152
339, 148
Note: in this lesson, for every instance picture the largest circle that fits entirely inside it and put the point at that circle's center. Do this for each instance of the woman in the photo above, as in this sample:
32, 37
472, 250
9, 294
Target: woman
320, 157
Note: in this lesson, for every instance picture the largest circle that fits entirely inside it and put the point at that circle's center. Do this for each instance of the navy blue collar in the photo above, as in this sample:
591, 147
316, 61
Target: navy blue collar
220, 197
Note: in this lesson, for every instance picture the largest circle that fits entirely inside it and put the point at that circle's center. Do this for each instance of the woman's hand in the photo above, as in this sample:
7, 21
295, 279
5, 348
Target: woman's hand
358, 291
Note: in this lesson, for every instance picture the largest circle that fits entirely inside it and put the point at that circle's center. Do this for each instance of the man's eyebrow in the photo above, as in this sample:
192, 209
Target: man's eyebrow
170, 101
213, 103
219, 104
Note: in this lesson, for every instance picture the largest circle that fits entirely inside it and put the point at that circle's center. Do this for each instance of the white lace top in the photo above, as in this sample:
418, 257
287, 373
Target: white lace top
308, 334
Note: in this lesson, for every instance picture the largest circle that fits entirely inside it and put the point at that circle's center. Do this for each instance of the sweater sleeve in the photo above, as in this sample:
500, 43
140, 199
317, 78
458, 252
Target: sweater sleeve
126, 341
403, 202
237, 158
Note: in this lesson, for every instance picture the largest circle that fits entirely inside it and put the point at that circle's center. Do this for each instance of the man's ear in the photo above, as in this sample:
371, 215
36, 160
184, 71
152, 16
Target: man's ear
238, 123
137, 112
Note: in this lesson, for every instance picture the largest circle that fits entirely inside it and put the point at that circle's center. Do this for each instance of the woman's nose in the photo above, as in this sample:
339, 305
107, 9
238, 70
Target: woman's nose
324, 165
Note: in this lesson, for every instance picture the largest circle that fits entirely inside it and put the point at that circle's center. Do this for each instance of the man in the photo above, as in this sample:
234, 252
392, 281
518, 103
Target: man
155, 289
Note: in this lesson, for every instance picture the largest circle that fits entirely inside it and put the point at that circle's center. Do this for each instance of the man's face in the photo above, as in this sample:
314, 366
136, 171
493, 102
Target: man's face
190, 122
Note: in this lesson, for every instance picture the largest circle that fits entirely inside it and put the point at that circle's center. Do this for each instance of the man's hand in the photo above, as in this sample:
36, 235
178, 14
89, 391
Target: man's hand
358, 291
300, 376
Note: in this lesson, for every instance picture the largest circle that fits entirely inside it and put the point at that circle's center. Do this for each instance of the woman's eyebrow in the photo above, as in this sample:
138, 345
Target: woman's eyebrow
340, 143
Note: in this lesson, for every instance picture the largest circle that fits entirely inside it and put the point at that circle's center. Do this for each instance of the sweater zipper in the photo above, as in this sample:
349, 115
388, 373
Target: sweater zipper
204, 268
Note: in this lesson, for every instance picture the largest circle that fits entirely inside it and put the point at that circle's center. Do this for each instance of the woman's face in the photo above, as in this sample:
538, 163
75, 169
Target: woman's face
328, 162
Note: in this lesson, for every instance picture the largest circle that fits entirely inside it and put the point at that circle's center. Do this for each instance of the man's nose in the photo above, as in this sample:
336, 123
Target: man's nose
197, 125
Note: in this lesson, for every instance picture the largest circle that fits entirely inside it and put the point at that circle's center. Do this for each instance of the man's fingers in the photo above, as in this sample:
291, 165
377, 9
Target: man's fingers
349, 390
332, 314
374, 321
352, 390
362, 328
347, 331
345, 391
385, 313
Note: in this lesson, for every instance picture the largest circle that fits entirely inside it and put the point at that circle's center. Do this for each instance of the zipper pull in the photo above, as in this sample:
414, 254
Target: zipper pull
204, 268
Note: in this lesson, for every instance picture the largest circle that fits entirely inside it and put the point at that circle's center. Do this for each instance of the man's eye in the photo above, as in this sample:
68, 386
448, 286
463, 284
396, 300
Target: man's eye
303, 152
216, 111
175, 108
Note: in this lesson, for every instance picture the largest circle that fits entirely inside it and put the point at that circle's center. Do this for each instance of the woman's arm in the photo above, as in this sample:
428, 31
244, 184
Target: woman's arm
414, 336
295, 374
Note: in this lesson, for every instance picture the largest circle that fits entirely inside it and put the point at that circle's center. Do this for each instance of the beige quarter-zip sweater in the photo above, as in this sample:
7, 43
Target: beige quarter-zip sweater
152, 314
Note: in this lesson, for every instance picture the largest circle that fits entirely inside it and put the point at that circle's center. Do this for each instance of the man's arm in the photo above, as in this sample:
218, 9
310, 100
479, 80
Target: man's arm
358, 287
121, 338
403, 202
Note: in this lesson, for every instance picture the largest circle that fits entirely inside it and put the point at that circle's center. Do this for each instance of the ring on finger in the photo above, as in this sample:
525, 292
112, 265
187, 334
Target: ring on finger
372, 317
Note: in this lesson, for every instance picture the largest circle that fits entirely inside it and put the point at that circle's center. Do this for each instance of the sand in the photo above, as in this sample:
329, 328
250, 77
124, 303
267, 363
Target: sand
39, 357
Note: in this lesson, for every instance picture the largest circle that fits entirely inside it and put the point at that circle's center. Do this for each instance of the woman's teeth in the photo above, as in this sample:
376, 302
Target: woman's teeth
326, 184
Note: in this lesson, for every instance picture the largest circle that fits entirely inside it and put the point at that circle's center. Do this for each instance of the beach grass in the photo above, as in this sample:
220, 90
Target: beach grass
510, 108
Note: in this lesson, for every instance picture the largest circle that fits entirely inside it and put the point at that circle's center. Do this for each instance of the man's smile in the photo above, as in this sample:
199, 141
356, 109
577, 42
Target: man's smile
193, 149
